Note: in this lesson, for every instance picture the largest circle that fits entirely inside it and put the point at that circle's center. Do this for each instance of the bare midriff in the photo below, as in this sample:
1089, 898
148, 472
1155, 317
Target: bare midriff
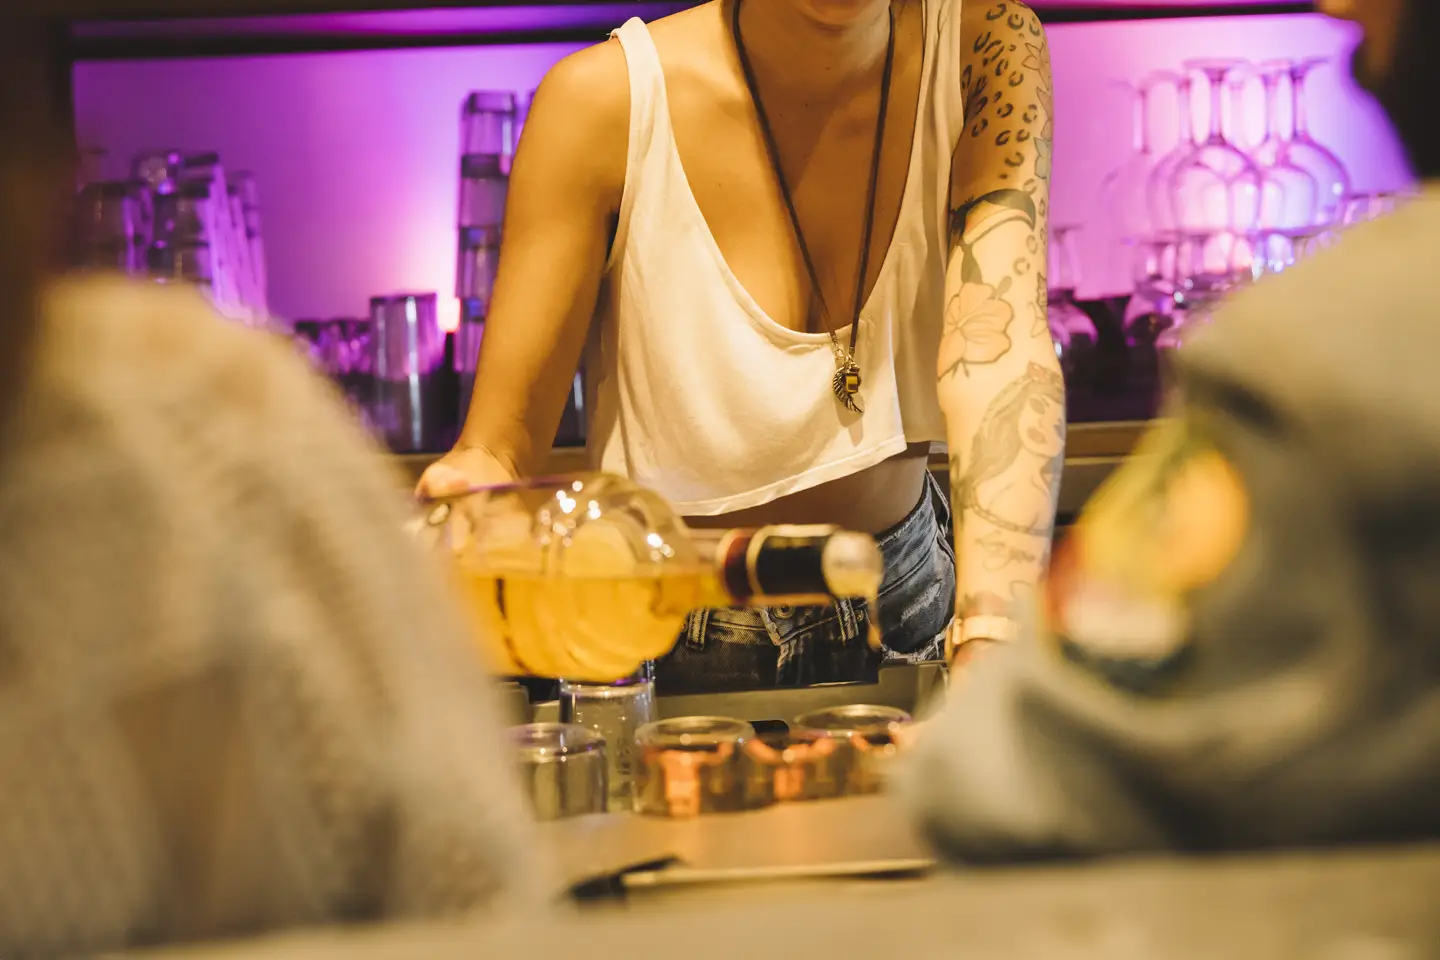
871, 501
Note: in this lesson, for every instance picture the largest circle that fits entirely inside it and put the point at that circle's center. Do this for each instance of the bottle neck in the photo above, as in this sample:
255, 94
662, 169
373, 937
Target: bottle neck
791, 564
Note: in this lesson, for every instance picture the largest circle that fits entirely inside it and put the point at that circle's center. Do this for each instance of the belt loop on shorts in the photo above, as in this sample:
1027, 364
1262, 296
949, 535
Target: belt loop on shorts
848, 617
695, 626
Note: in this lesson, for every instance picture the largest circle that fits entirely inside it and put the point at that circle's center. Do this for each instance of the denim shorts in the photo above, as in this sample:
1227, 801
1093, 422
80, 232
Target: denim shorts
749, 649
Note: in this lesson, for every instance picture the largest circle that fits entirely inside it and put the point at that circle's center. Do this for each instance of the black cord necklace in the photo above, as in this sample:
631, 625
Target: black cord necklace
846, 382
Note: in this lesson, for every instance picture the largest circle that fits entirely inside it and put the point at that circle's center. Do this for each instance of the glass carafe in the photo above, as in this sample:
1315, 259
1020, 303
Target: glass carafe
589, 576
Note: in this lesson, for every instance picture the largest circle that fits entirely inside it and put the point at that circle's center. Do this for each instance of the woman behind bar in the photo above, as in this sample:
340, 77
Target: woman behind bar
232, 697
802, 241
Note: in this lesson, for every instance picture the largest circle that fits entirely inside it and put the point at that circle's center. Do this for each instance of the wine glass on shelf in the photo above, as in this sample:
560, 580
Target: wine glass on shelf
1216, 195
1162, 209
1069, 325
1332, 180
1125, 190
1290, 196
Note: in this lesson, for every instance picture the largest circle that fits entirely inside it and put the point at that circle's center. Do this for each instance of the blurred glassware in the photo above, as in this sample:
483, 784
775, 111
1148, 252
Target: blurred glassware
1331, 178
413, 404
1216, 195
479, 258
1072, 329
1291, 199
798, 765
1364, 207
107, 222
487, 144
1159, 189
693, 765
562, 769
873, 736
1124, 191
616, 711
487, 124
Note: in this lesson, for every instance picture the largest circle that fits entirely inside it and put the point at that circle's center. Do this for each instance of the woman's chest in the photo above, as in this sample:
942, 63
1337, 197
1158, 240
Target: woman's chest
827, 161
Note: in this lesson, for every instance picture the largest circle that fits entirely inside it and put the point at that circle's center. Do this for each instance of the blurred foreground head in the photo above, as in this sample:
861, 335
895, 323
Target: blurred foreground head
1395, 61
32, 178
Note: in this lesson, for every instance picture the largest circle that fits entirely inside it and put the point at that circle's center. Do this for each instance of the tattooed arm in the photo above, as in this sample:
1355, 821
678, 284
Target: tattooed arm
999, 381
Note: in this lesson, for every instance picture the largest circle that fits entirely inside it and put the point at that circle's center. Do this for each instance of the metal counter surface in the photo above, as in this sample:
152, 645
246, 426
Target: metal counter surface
1357, 904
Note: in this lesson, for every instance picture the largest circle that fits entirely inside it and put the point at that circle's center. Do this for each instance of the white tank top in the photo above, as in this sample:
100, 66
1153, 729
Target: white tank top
695, 392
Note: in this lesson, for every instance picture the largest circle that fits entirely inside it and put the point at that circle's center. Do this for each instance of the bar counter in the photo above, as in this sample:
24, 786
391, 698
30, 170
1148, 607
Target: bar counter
1357, 903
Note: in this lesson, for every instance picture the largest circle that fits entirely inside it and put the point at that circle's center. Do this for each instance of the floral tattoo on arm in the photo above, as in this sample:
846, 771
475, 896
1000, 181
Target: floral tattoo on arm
996, 353
1008, 108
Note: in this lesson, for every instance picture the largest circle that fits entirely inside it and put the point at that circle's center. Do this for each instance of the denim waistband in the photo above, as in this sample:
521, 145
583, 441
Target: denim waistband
904, 547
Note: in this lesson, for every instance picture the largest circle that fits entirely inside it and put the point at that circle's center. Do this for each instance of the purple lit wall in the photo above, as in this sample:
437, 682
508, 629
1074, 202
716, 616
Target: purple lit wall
355, 153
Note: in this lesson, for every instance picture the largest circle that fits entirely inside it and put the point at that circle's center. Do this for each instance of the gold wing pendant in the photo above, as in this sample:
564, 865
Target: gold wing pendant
846, 384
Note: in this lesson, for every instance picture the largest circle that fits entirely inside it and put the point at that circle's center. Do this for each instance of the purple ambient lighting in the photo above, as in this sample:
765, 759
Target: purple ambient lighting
356, 154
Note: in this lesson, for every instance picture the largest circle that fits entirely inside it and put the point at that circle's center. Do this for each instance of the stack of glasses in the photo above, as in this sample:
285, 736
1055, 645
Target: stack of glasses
179, 218
487, 144
1215, 211
490, 123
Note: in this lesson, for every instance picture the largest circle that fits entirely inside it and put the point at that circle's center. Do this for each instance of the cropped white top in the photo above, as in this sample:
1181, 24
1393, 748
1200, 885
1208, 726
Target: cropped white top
695, 392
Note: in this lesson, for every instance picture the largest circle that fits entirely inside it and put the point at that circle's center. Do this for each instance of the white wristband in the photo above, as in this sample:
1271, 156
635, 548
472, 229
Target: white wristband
988, 628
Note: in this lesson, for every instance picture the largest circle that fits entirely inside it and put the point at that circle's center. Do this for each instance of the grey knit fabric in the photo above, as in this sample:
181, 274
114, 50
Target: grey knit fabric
233, 697
1303, 707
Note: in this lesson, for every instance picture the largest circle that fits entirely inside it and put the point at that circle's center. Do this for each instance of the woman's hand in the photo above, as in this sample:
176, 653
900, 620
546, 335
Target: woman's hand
461, 469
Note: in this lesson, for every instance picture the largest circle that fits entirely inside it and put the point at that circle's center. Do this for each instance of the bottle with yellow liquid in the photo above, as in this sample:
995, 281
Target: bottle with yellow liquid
587, 577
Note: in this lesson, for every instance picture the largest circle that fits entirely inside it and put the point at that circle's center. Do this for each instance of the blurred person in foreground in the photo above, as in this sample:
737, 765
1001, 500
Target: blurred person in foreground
1241, 639
233, 696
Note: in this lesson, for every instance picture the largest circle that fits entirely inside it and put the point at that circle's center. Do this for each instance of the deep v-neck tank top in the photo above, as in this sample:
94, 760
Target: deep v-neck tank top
694, 391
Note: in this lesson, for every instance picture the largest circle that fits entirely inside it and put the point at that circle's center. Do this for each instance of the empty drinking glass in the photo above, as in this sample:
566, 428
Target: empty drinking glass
562, 769
1332, 180
616, 711
1124, 190
487, 132
1216, 193
693, 765
1073, 330
873, 735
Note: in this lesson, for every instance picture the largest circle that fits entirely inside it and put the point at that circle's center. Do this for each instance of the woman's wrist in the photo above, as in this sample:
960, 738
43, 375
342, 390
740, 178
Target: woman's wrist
983, 629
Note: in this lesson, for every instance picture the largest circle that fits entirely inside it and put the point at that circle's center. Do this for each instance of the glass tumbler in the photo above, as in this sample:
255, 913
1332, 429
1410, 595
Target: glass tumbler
616, 712
562, 769
871, 734
799, 765
693, 765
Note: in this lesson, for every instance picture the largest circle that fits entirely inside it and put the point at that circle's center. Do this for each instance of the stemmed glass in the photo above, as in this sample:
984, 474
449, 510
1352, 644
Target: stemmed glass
1162, 209
1331, 178
1067, 321
1124, 191
1290, 197
1216, 193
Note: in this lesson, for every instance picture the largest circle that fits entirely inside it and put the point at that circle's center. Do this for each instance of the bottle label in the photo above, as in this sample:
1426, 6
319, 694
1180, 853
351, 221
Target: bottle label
776, 565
